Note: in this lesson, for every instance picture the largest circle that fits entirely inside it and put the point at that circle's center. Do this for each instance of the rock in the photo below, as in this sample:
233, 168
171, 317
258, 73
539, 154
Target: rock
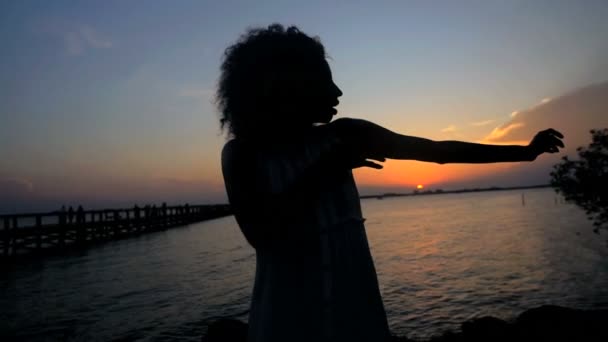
486, 329
226, 330
546, 323
555, 323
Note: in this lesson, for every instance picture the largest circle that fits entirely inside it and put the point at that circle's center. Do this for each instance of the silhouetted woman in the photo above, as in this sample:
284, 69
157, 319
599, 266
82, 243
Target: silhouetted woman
288, 174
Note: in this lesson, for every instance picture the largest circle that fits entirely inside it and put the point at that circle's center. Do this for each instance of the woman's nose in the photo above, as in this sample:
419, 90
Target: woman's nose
337, 90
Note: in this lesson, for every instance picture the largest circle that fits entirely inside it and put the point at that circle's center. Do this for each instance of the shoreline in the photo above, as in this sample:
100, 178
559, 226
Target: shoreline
457, 191
377, 196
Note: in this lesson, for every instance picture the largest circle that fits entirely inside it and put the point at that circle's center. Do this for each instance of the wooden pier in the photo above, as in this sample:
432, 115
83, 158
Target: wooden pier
23, 234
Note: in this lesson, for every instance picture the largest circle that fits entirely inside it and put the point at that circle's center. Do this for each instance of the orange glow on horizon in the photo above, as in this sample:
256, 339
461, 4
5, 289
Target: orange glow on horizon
419, 186
411, 174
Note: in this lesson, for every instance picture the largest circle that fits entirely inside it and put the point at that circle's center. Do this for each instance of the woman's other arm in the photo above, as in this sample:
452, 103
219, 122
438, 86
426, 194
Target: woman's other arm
372, 140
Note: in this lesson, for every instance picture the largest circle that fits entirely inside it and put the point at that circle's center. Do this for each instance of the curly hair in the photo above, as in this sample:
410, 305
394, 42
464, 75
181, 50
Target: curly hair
254, 76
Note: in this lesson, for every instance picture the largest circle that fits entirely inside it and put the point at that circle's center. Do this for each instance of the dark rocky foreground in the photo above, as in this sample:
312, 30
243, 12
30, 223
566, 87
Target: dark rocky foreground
545, 323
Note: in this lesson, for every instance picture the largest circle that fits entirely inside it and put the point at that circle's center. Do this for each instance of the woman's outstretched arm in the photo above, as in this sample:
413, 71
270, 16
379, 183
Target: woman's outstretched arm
372, 140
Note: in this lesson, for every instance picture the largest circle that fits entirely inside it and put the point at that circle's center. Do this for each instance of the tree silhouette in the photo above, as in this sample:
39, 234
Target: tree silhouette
585, 181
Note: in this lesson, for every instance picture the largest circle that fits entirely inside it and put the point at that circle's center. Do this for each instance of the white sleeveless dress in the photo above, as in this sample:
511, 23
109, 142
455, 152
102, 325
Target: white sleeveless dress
322, 286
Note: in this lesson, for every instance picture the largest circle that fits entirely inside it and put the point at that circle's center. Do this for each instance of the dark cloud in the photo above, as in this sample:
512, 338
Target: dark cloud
15, 187
573, 114
15, 194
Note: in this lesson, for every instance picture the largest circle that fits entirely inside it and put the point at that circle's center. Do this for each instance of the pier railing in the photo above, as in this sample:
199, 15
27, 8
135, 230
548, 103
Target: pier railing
25, 233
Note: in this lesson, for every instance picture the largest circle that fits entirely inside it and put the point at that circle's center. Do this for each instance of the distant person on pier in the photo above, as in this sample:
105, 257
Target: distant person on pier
136, 212
164, 209
288, 174
70, 214
62, 216
80, 214
147, 211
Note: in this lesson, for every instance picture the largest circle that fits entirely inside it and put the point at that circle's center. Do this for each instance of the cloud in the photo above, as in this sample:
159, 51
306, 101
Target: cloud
94, 39
501, 131
76, 38
573, 114
79, 40
482, 123
514, 113
173, 190
10, 187
449, 129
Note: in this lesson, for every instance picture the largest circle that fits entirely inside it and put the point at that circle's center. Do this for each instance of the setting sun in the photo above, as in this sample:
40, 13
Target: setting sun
419, 186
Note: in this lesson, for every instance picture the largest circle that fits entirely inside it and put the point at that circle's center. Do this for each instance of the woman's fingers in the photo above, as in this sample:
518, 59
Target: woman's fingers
355, 161
555, 141
548, 141
551, 131
368, 163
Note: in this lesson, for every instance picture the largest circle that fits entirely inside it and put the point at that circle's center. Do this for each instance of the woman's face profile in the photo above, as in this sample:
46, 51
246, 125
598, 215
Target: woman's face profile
315, 95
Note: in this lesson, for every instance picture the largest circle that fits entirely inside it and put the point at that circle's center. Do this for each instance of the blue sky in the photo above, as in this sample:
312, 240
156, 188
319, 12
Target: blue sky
110, 102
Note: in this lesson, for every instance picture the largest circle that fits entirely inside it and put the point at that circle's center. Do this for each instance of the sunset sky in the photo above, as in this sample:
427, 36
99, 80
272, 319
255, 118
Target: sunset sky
110, 103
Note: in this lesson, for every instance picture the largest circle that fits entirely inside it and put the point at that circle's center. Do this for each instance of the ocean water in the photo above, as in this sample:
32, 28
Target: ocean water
440, 260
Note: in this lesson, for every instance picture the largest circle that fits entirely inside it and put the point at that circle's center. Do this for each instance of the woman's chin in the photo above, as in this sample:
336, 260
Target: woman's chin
326, 119
331, 114
325, 116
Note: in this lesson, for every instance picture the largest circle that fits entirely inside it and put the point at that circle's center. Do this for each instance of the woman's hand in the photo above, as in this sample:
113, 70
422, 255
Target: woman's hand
350, 157
352, 160
547, 141
369, 162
